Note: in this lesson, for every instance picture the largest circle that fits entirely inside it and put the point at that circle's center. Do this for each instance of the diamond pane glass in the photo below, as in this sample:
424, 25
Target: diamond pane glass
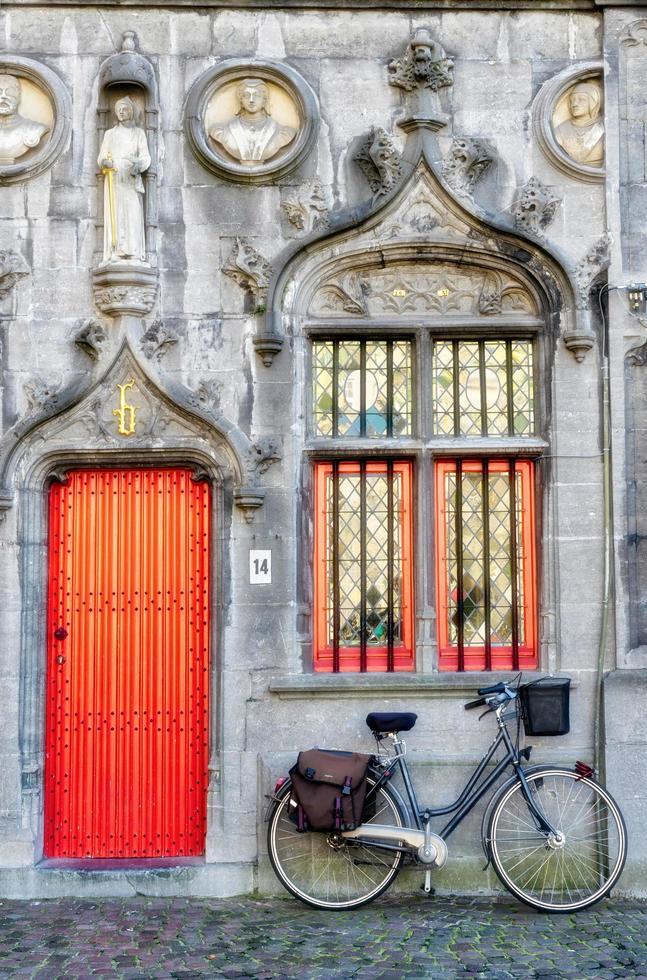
362, 388
363, 559
493, 386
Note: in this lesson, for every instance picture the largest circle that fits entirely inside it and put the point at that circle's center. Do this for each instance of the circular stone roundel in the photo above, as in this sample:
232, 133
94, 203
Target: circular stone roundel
251, 121
568, 119
35, 118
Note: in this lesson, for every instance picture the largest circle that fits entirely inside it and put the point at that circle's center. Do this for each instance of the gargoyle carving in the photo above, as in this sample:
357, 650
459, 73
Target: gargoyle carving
42, 394
307, 209
157, 339
465, 164
535, 207
248, 268
425, 65
593, 263
91, 337
12, 268
379, 161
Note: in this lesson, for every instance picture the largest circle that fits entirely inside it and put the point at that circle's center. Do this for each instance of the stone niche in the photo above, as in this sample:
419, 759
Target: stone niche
125, 267
36, 114
251, 121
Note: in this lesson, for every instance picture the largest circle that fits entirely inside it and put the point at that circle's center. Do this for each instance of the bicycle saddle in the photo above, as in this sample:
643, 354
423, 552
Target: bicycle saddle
391, 721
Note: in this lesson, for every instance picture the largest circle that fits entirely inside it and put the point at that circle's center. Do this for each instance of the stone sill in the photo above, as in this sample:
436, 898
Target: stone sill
371, 684
371, 5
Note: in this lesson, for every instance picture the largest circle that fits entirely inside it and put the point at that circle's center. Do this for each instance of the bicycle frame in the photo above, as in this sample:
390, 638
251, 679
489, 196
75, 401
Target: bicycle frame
473, 790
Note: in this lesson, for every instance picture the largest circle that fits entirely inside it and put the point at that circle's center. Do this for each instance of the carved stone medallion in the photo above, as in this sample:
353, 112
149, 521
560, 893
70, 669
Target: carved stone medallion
568, 119
35, 118
250, 121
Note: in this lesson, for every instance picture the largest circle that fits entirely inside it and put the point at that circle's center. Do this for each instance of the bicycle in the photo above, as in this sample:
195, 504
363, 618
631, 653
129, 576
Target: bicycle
556, 839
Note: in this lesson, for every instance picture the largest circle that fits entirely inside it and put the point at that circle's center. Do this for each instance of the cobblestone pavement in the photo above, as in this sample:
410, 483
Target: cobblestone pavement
271, 938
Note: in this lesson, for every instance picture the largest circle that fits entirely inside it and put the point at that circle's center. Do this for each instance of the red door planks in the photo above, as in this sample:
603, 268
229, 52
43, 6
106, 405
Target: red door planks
127, 716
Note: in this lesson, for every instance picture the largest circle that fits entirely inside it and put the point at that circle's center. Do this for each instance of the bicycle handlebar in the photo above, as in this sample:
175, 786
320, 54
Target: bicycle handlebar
494, 689
475, 704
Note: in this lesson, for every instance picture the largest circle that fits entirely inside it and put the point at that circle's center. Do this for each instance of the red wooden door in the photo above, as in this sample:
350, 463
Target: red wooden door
127, 718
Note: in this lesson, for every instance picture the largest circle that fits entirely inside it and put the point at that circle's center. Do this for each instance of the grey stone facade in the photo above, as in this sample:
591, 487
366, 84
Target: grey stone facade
214, 326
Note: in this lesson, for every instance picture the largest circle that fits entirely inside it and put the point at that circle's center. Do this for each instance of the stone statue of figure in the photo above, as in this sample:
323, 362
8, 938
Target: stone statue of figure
252, 136
582, 135
17, 134
123, 158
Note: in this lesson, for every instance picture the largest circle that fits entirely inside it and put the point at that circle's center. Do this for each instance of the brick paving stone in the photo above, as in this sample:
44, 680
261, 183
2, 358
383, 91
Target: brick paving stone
273, 939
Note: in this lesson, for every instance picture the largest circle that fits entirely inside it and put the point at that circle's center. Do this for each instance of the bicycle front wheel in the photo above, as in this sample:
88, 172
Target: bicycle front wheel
325, 870
570, 870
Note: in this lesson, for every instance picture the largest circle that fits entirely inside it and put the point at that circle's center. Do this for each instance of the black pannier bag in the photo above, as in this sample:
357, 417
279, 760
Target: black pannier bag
545, 706
329, 789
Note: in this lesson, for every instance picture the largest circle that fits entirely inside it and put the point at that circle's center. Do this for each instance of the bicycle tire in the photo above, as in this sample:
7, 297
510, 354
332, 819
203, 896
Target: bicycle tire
557, 876
324, 870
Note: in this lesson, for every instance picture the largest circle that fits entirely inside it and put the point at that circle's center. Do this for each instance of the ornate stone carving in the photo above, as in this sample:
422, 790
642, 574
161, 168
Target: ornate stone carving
594, 262
207, 396
443, 290
637, 356
568, 122
379, 161
465, 164
258, 459
123, 158
13, 267
91, 337
345, 293
122, 288
535, 208
249, 269
636, 34
42, 394
249, 120
157, 339
424, 65
35, 118
307, 209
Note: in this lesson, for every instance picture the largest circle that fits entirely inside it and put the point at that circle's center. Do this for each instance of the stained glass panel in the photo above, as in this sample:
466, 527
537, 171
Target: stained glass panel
362, 388
491, 382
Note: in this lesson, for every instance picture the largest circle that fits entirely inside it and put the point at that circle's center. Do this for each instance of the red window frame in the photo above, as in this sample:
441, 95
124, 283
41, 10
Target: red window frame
325, 656
524, 657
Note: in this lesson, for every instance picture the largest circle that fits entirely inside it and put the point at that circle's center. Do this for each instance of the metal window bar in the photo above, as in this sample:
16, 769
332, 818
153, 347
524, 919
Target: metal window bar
509, 389
362, 388
336, 618
512, 481
456, 389
335, 388
362, 560
458, 507
483, 389
390, 481
485, 501
389, 388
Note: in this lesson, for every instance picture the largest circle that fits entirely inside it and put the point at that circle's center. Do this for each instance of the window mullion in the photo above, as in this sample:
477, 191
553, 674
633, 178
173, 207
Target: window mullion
335, 566
456, 388
335, 388
389, 388
390, 482
459, 565
362, 388
512, 477
483, 387
485, 500
362, 559
508, 381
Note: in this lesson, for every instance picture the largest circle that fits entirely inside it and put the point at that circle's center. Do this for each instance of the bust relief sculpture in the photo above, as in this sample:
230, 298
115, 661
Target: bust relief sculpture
18, 135
581, 135
123, 158
252, 135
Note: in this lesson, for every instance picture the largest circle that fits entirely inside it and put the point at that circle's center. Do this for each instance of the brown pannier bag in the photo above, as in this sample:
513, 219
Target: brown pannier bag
329, 789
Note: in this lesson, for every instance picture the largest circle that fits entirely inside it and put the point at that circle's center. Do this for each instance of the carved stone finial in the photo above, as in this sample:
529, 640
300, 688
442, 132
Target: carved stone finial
128, 41
42, 394
249, 269
91, 337
379, 161
535, 208
465, 164
13, 267
425, 65
157, 339
307, 209
594, 262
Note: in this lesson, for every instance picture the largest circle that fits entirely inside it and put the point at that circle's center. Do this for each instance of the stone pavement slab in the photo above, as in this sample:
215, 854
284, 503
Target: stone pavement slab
272, 939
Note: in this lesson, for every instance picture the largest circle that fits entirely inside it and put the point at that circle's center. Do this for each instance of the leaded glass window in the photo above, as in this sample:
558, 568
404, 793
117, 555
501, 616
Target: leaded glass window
363, 576
362, 388
483, 388
485, 564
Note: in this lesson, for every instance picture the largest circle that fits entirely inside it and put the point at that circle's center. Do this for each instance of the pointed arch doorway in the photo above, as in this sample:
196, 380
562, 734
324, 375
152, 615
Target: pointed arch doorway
127, 701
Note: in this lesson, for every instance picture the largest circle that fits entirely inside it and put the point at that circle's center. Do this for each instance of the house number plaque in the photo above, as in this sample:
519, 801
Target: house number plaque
260, 567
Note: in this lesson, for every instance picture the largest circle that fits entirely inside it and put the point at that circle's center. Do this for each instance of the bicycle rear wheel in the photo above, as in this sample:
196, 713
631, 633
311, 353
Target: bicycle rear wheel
568, 872
325, 870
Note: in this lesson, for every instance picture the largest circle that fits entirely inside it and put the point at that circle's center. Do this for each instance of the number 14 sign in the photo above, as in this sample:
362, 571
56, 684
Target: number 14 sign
260, 567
